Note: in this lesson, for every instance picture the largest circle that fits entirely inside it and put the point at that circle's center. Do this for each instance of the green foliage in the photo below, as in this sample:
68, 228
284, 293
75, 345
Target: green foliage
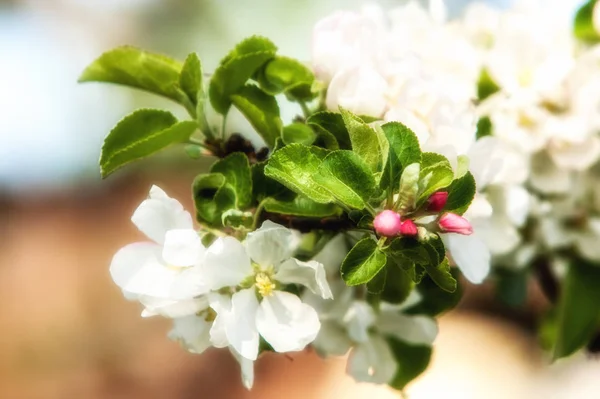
398, 284
404, 150
142, 133
261, 110
578, 313
363, 262
486, 86
236, 68
435, 300
301, 206
460, 194
441, 275
298, 133
190, 79
409, 188
583, 25
377, 284
295, 166
286, 75
347, 178
412, 361
484, 127
212, 197
436, 174
237, 219
330, 125
236, 169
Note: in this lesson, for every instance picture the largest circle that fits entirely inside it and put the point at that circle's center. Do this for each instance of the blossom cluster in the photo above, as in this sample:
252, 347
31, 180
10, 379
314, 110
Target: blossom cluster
513, 89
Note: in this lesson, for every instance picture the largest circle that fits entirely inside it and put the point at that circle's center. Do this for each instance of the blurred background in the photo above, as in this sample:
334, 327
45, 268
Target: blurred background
66, 331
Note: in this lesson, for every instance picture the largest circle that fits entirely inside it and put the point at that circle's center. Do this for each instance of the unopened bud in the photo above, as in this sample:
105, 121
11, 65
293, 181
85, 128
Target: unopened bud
453, 223
387, 223
408, 228
437, 201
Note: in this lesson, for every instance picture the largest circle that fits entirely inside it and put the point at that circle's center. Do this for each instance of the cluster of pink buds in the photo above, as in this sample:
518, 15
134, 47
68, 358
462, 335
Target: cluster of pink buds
390, 224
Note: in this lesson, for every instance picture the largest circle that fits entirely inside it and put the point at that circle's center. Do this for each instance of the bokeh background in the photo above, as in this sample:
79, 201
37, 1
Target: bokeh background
66, 331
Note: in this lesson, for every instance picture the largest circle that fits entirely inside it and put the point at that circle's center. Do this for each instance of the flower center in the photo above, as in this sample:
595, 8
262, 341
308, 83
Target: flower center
208, 314
264, 284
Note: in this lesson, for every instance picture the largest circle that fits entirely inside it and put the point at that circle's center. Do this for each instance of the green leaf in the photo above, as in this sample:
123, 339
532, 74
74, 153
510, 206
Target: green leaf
295, 166
583, 26
434, 177
486, 86
261, 110
301, 206
404, 150
236, 68
263, 186
460, 194
484, 127
462, 166
409, 188
298, 133
511, 286
398, 284
212, 197
331, 124
237, 219
441, 275
412, 361
142, 133
377, 283
578, 312
367, 142
363, 262
435, 300
190, 78
289, 76
136, 68
347, 178
236, 169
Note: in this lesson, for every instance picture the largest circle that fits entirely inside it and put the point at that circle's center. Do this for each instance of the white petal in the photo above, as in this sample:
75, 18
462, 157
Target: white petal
309, 274
182, 247
332, 340
416, 330
137, 269
192, 332
359, 318
286, 323
247, 369
270, 245
226, 263
190, 282
372, 361
241, 326
221, 304
159, 214
333, 253
172, 308
470, 254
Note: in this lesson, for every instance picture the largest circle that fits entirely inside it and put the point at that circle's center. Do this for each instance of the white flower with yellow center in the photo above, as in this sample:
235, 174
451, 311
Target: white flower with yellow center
164, 273
258, 269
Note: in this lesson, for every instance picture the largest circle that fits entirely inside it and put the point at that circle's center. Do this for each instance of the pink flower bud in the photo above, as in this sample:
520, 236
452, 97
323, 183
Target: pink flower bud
387, 223
408, 228
452, 223
437, 201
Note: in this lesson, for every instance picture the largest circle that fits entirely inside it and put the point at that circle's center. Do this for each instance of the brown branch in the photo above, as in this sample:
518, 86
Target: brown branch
548, 282
306, 225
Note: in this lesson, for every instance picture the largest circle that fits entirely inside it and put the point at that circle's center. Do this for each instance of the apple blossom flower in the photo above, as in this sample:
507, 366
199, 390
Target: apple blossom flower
437, 201
387, 223
408, 228
258, 268
453, 223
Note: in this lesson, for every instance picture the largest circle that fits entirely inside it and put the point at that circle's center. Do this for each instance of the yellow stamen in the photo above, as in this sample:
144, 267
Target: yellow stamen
264, 284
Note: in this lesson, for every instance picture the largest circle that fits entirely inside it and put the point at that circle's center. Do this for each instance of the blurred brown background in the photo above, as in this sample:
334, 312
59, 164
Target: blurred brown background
65, 329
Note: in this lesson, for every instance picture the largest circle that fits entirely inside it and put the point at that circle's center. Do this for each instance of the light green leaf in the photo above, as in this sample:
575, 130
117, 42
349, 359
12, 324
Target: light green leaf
367, 143
486, 86
412, 361
578, 312
484, 127
142, 133
237, 219
289, 76
190, 78
346, 176
294, 166
236, 169
236, 68
301, 206
460, 194
212, 197
409, 188
331, 124
583, 26
136, 68
404, 150
298, 133
363, 262
261, 110
434, 178
462, 166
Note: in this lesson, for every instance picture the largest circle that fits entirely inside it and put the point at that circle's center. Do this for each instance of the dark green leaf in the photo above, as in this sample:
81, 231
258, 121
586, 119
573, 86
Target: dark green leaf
412, 361
511, 287
294, 166
236, 68
212, 197
347, 178
404, 150
578, 312
398, 284
486, 86
298, 133
583, 26
142, 133
434, 299
377, 284
441, 275
331, 124
363, 262
261, 110
301, 206
460, 194
133, 67
236, 169
263, 186
484, 127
